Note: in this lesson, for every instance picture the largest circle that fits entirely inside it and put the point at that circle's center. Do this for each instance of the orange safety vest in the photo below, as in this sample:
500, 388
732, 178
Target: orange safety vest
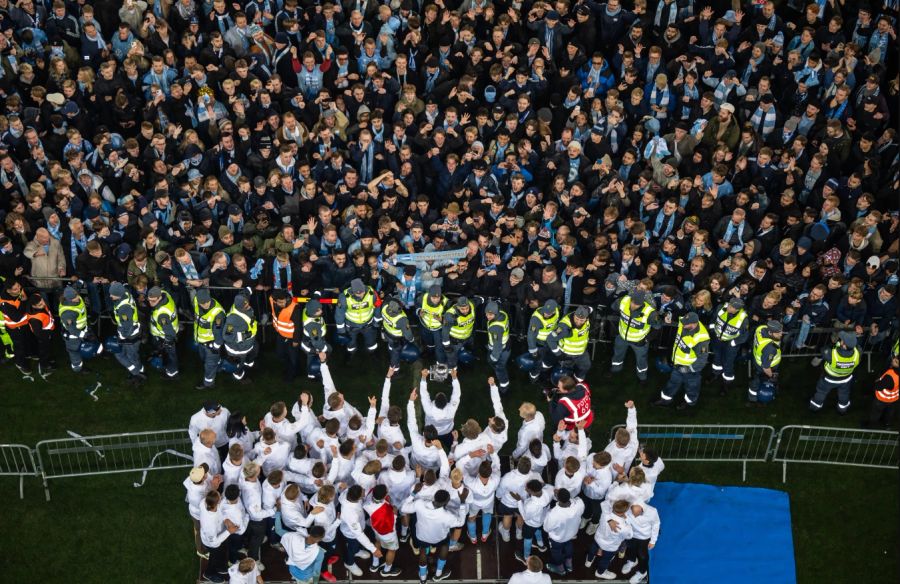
19, 323
889, 396
282, 321
45, 318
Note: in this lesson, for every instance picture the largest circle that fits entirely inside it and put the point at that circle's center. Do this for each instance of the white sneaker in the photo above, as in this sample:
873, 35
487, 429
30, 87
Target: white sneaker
591, 528
519, 534
628, 567
363, 555
260, 565
607, 575
588, 561
504, 534
354, 569
638, 577
583, 524
458, 546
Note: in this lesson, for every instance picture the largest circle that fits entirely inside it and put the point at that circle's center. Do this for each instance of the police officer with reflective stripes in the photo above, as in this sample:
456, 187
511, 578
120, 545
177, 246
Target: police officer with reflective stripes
431, 315
839, 363
128, 329
15, 318
164, 328
314, 331
766, 356
729, 332
209, 322
239, 337
689, 356
357, 314
287, 321
395, 331
636, 317
73, 320
569, 342
542, 324
498, 343
459, 324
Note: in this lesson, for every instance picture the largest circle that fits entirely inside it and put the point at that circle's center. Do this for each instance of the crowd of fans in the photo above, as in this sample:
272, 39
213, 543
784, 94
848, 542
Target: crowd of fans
578, 151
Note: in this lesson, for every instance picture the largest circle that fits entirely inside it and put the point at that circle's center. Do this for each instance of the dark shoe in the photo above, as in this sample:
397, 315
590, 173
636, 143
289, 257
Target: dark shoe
662, 403
682, 406
444, 575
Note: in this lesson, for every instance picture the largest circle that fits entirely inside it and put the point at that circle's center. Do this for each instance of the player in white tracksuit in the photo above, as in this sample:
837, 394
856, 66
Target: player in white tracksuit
644, 521
613, 532
482, 488
561, 526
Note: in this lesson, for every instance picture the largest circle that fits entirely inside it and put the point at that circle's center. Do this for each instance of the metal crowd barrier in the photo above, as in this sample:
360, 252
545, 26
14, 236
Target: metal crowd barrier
80, 456
17, 460
707, 443
836, 446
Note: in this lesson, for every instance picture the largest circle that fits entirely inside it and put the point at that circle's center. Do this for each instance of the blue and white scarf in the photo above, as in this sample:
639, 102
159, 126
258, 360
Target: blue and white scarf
276, 275
660, 97
765, 119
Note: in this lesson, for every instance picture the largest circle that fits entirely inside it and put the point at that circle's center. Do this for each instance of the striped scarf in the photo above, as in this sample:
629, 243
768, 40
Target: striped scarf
692, 93
763, 121
720, 95
660, 97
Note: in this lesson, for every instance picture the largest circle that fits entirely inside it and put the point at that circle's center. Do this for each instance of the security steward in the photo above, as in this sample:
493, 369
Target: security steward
887, 393
689, 356
637, 317
431, 315
395, 330
314, 331
839, 363
459, 324
288, 324
128, 330
164, 328
729, 333
239, 338
498, 343
569, 342
358, 314
766, 356
570, 401
42, 326
15, 314
542, 324
209, 322
73, 320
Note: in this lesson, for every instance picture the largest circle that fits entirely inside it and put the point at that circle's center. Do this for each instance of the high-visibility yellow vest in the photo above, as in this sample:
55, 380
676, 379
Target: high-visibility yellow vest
432, 316
841, 366
251, 322
465, 323
577, 341
359, 311
501, 321
683, 352
167, 308
390, 323
728, 327
203, 321
317, 319
760, 342
635, 327
548, 325
80, 310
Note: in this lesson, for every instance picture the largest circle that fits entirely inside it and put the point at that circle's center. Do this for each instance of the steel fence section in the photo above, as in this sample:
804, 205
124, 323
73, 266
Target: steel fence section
707, 443
112, 453
836, 446
17, 460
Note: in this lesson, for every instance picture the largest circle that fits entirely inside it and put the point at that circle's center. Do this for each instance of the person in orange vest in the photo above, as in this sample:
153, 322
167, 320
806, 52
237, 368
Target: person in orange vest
15, 315
570, 401
887, 393
288, 323
42, 326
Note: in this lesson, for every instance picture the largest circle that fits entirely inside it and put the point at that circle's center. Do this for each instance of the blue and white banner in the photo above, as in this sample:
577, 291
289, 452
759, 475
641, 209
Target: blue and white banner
430, 256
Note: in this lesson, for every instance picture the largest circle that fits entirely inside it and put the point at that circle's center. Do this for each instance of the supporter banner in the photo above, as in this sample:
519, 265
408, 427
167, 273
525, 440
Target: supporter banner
431, 256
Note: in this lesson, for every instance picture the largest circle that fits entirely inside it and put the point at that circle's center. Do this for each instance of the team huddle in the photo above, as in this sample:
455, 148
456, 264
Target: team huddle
348, 486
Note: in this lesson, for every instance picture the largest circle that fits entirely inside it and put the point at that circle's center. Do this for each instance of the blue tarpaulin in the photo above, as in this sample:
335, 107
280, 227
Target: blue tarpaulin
722, 534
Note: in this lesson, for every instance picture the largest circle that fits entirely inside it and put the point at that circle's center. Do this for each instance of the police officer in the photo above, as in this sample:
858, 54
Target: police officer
164, 328
288, 324
314, 331
15, 315
357, 314
542, 324
395, 331
209, 322
887, 393
730, 331
498, 343
689, 356
459, 324
239, 337
128, 330
42, 325
431, 315
766, 356
636, 317
73, 320
840, 361
569, 342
